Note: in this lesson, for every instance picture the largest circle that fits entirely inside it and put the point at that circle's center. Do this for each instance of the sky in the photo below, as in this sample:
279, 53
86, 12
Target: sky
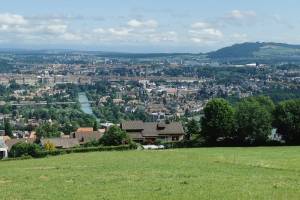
146, 26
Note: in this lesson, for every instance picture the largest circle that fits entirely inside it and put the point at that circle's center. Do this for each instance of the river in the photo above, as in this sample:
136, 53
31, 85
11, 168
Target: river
85, 104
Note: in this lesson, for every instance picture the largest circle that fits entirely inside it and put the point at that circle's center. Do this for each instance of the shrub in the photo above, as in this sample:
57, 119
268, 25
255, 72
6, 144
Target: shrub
24, 149
49, 146
93, 143
43, 153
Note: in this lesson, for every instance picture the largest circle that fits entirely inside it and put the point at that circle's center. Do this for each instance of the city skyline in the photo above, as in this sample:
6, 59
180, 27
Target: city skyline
145, 26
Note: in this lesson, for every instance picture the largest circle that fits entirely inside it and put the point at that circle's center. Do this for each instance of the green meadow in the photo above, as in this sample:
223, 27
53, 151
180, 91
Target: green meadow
205, 173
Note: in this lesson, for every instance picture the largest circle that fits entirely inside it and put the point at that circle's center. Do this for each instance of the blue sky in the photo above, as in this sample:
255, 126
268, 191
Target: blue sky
146, 25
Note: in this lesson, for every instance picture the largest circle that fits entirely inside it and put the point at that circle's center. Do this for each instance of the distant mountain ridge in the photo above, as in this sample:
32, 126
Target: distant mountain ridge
244, 52
257, 50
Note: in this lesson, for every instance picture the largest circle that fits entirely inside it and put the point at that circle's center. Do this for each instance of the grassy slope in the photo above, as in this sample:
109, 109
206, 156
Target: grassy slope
216, 173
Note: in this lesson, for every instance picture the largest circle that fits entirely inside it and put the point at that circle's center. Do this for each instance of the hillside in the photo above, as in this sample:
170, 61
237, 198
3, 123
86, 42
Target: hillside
258, 51
206, 173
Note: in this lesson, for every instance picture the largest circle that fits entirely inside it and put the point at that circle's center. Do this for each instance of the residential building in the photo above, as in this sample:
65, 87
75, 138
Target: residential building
85, 135
150, 132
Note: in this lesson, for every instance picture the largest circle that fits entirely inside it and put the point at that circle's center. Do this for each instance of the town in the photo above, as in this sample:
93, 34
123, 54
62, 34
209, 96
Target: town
76, 91
149, 100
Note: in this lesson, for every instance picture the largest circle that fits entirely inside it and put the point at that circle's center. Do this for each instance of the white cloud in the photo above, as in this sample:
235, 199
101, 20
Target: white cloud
16, 28
56, 28
99, 30
200, 25
203, 32
151, 24
170, 36
240, 18
11, 19
240, 15
134, 23
119, 31
71, 37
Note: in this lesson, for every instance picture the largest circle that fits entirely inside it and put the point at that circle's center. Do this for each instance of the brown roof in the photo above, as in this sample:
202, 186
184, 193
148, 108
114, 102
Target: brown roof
12, 142
132, 125
64, 143
84, 137
153, 129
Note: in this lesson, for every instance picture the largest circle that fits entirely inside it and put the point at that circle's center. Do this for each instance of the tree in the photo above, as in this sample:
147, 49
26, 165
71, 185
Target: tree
95, 126
47, 130
287, 121
114, 137
192, 129
218, 120
253, 122
266, 102
68, 128
8, 128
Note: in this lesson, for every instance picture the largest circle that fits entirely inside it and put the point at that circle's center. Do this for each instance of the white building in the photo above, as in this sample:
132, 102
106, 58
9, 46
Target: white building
3, 149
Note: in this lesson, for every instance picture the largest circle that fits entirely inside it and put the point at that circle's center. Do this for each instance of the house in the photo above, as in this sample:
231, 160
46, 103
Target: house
12, 142
149, 132
3, 149
61, 143
85, 135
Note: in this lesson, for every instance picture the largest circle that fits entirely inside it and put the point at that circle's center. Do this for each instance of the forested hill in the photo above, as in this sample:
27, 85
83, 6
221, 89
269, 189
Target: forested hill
258, 50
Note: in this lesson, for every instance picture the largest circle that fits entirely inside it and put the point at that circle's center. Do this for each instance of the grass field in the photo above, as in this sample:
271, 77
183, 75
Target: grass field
209, 173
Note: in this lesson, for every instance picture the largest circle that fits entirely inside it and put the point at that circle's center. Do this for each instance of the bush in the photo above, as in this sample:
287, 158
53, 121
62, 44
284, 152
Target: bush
24, 149
194, 143
93, 143
43, 153
49, 146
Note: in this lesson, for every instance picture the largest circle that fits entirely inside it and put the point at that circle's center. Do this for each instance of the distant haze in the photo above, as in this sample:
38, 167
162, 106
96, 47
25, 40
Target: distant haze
146, 25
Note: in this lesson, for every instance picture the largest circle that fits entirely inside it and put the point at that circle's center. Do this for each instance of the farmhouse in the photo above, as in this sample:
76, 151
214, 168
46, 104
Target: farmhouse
149, 132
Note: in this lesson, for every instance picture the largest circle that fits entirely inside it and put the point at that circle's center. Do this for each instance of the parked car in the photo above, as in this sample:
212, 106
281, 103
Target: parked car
153, 147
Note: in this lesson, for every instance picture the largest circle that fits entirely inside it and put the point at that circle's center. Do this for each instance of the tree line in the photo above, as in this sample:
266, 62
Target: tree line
251, 121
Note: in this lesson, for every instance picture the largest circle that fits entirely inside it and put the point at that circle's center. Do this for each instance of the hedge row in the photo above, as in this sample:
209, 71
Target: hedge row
41, 154
198, 143
44, 153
